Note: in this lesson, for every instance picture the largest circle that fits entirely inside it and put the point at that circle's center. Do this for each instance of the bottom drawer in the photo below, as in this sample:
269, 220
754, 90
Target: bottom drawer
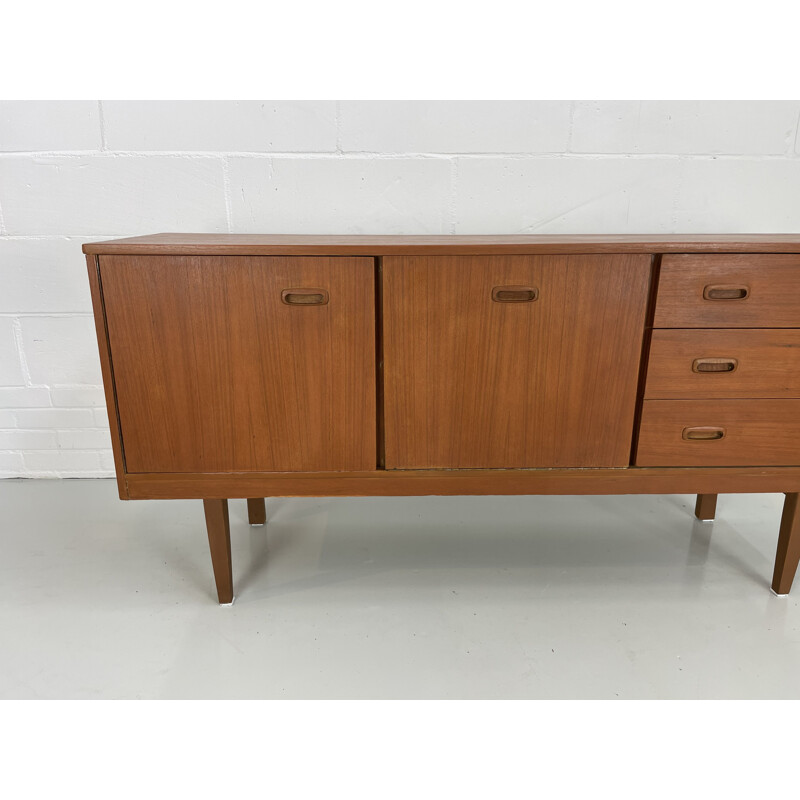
719, 433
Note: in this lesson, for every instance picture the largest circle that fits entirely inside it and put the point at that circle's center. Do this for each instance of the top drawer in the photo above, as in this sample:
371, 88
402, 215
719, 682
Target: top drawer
728, 291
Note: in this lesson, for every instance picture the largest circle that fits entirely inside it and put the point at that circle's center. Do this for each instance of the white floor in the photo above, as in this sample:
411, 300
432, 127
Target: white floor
464, 597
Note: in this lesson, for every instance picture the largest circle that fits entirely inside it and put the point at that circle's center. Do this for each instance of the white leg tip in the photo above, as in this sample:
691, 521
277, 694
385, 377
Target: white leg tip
228, 605
256, 524
778, 595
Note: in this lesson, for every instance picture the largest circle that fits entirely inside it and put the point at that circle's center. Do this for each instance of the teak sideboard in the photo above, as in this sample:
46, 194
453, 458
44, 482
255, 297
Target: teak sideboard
239, 366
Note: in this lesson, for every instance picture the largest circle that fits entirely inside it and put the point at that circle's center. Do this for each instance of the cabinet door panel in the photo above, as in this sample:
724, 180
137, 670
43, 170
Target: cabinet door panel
215, 372
547, 377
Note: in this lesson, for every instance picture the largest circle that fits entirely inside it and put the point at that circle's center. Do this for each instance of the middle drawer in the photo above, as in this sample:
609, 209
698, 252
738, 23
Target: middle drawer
716, 363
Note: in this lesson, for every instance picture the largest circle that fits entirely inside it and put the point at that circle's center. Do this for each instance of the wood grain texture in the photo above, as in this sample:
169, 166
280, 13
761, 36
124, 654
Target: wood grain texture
788, 553
706, 507
767, 363
634, 480
285, 244
218, 528
214, 373
256, 510
757, 432
101, 330
773, 282
472, 383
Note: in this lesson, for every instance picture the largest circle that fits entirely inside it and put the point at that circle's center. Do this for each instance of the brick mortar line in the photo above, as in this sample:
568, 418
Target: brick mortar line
114, 154
454, 179
572, 109
26, 373
98, 474
96, 450
226, 191
77, 238
60, 429
796, 144
52, 410
385, 155
59, 409
337, 121
52, 236
102, 121
54, 314
57, 387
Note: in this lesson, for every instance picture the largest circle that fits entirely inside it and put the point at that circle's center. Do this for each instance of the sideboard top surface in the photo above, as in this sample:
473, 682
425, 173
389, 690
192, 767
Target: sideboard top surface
246, 244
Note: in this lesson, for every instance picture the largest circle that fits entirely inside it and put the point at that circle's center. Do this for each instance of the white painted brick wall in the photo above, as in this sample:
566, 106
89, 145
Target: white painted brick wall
116, 194
455, 127
696, 127
238, 127
60, 350
340, 194
11, 373
72, 172
51, 125
565, 194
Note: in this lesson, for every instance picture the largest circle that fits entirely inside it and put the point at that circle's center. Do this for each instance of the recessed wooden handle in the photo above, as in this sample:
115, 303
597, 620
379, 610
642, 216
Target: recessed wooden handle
725, 292
703, 434
514, 294
704, 365
304, 297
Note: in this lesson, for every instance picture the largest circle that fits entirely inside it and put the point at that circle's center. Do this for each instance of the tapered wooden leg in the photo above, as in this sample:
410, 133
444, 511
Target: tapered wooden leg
788, 554
257, 510
219, 539
706, 506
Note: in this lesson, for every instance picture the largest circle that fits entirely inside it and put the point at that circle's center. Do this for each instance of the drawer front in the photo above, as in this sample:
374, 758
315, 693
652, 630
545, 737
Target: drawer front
728, 291
686, 364
719, 433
